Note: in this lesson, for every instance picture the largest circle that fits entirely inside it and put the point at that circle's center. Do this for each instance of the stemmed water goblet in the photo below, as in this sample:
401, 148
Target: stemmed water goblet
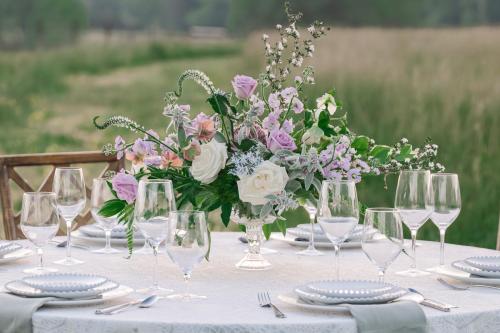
39, 223
338, 212
413, 200
187, 244
154, 202
312, 210
100, 194
69, 187
385, 245
445, 197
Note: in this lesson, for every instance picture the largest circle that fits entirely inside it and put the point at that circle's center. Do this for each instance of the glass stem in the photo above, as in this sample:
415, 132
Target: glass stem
337, 267
108, 239
414, 248
155, 278
311, 239
187, 277
381, 275
40, 256
441, 252
68, 235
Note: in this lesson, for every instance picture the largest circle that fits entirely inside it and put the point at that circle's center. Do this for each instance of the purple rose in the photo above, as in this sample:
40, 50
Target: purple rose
279, 139
244, 86
125, 186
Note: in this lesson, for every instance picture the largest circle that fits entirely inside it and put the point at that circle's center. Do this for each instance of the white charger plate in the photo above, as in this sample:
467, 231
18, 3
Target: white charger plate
486, 263
18, 287
292, 299
463, 266
119, 292
349, 288
97, 240
462, 276
19, 254
308, 295
64, 281
319, 245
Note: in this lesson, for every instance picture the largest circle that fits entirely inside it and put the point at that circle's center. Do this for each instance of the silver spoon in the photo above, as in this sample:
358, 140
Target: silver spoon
144, 303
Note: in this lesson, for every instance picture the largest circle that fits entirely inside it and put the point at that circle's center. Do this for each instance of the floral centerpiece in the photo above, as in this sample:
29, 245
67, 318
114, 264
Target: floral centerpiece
264, 147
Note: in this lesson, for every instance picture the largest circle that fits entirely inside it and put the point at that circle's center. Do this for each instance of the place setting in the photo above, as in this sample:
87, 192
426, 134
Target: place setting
13, 251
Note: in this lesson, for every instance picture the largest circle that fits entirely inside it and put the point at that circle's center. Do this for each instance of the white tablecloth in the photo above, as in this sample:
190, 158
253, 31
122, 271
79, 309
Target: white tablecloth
232, 302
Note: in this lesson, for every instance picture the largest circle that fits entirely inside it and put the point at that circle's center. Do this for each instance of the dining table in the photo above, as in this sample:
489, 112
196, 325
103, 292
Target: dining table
232, 305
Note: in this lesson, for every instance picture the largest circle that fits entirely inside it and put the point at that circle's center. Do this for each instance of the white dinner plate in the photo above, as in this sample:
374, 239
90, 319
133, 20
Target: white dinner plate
296, 232
114, 241
487, 263
9, 247
18, 287
309, 296
348, 288
466, 277
292, 299
463, 266
119, 292
319, 245
64, 281
120, 231
13, 256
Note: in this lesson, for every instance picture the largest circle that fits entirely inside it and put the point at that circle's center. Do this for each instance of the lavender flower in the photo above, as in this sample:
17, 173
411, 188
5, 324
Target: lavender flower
274, 102
125, 186
288, 94
297, 106
287, 126
119, 147
271, 123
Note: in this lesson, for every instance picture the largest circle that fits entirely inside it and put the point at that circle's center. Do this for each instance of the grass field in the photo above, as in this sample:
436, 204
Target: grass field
441, 84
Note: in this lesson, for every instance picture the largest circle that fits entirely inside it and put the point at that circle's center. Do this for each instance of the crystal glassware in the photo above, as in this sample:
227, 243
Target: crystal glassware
100, 194
153, 204
69, 187
338, 212
413, 200
39, 223
187, 244
311, 250
445, 196
382, 239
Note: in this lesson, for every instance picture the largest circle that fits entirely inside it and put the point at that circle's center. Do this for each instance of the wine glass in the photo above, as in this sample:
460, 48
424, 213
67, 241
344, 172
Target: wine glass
446, 201
39, 223
153, 204
69, 187
100, 194
413, 200
311, 250
382, 239
187, 244
338, 212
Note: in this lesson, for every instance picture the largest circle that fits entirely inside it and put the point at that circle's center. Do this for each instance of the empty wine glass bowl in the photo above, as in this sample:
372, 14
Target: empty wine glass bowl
383, 247
187, 244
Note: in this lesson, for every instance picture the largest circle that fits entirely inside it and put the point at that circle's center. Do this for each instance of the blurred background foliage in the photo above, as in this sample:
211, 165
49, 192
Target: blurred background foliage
401, 67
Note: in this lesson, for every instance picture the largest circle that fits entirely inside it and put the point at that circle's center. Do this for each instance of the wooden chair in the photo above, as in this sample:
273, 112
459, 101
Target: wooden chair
8, 164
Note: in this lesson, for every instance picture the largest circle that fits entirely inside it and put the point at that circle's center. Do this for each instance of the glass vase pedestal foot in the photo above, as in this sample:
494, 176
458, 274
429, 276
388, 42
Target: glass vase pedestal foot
310, 252
253, 259
69, 261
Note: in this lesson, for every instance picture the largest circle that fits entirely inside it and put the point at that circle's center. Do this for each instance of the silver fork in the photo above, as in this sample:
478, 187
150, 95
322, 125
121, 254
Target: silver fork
457, 287
265, 302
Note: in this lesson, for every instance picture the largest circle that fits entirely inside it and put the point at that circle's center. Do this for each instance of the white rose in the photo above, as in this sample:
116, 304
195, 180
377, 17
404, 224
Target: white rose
268, 178
209, 162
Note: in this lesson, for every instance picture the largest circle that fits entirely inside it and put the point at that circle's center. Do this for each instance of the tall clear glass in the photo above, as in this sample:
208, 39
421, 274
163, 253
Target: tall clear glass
153, 204
100, 194
338, 212
385, 245
69, 187
312, 210
39, 223
446, 202
413, 200
187, 244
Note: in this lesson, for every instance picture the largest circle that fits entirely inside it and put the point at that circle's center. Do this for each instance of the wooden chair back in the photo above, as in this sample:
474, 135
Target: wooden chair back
9, 163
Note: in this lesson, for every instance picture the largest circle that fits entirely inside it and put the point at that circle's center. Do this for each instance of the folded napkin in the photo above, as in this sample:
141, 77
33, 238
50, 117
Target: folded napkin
16, 312
402, 316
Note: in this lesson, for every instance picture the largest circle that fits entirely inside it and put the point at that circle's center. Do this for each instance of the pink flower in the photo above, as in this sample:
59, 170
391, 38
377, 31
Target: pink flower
202, 127
191, 151
244, 86
280, 139
170, 159
125, 186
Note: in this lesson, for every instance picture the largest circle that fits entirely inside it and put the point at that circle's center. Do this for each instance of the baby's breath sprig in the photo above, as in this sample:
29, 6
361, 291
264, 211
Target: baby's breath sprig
279, 66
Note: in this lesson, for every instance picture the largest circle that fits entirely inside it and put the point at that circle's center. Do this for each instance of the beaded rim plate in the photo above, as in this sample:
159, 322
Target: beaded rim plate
292, 299
487, 263
348, 288
64, 281
319, 245
97, 240
309, 296
119, 232
456, 274
16, 255
464, 266
20, 288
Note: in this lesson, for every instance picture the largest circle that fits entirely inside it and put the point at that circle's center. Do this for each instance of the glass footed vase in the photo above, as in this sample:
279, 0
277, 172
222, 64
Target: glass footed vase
253, 259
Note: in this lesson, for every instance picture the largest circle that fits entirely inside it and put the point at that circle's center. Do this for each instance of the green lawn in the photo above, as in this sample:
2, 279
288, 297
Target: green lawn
415, 83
